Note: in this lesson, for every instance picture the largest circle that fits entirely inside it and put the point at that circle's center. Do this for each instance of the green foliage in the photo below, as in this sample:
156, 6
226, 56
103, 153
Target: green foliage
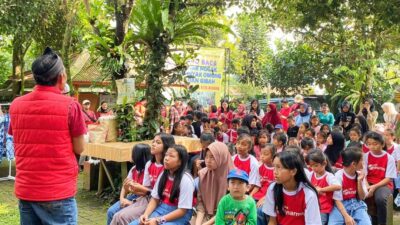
350, 36
5, 58
293, 67
255, 52
127, 127
156, 27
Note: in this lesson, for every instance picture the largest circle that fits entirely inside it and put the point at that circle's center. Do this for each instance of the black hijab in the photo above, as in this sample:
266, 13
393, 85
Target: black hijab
333, 151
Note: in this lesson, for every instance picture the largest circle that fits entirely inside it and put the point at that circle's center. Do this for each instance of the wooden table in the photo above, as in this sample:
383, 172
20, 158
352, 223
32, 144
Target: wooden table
122, 152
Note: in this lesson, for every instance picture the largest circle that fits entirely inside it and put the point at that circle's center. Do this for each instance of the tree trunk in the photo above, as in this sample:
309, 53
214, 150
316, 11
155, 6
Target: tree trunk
70, 14
154, 85
16, 57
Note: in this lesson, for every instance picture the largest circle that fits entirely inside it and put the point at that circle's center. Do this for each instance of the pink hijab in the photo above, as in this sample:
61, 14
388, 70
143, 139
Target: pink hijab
213, 183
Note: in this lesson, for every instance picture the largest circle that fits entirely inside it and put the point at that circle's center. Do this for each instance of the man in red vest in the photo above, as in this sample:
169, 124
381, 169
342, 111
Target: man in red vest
48, 129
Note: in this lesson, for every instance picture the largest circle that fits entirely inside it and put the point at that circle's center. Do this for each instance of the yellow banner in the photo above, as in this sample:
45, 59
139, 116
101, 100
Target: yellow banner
207, 71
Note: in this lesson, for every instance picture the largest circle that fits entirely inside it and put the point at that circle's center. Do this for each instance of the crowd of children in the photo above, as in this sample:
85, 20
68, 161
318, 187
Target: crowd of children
263, 168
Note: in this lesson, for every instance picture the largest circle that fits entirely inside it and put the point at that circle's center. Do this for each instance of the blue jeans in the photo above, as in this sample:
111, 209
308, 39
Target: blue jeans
324, 218
262, 218
164, 209
357, 209
116, 208
60, 212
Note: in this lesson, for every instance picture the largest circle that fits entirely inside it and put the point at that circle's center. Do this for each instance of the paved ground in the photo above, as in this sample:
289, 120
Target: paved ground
91, 209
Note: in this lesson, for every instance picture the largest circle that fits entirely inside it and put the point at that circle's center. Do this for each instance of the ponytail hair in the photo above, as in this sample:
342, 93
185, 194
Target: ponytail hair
290, 160
318, 156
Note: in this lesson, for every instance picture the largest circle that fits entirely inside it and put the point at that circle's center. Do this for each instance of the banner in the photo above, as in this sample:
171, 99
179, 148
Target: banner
126, 90
207, 71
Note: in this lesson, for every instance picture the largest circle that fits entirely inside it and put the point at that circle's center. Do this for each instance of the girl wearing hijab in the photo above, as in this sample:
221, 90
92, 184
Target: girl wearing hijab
304, 114
336, 144
241, 112
272, 116
346, 117
213, 185
390, 115
368, 111
256, 110
284, 113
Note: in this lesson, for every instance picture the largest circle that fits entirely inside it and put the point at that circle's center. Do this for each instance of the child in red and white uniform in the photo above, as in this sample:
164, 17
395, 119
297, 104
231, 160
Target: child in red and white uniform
355, 137
394, 150
391, 147
172, 196
324, 181
152, 170
245, 160
265, 174
321, 140
232, 133
349, 205
265, 177
263, 138
221, 136
280, 141
380, 170
297, 201
135, 175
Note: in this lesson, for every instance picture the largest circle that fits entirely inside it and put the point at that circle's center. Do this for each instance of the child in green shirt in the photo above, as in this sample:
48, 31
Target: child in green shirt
236, 207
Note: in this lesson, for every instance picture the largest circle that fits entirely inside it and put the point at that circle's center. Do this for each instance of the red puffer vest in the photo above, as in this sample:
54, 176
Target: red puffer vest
45, 162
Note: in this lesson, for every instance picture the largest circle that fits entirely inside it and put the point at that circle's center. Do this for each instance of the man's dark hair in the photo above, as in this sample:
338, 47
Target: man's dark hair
47, 68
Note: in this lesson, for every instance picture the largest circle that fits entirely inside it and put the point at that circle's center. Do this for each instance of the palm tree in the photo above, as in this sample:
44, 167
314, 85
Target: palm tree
157, 26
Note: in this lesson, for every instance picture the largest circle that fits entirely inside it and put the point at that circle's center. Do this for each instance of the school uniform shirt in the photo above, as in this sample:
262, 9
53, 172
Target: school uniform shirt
325, 198
232, 211
379, 167
249, 165
301, 207
365, 148
232, 134
135, 175
152, 171
185, 198
349, 186
394, 151
224, 138
266, 177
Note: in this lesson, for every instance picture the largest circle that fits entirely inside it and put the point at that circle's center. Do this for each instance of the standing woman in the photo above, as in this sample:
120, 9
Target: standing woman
213, 183
368, 111
256, 110
345, 118
272, 116
225, 115
304, 114
390, 115
284, 113
336, 144
326, 117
